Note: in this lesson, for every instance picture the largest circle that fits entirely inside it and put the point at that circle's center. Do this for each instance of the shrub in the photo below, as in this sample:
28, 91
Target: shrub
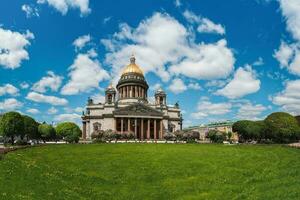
110, 135
46, 131
170, 136
179, 135
21, 142
69, 131
12, 125
282, 127
125, 135
97, 134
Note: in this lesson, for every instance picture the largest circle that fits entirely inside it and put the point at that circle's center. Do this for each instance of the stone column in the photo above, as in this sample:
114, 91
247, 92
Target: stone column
136, 92
84, 130
135, 127
131, 91
148, 129
121, 125
142, 129
115, 124
143, 94
128, 125
140, 93
161, 130
155, 129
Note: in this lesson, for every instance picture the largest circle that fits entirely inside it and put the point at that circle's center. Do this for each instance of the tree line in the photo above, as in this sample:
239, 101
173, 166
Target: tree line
278, 127
14, 125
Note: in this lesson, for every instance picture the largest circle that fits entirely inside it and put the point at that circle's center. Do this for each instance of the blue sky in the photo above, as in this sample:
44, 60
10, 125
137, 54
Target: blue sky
221, 60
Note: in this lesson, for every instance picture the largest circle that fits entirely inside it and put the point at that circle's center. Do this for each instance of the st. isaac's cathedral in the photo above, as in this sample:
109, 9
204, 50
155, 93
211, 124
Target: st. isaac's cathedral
127, 109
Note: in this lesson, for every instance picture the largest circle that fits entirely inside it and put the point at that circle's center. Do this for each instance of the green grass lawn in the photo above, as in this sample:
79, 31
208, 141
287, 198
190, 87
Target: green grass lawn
151, 171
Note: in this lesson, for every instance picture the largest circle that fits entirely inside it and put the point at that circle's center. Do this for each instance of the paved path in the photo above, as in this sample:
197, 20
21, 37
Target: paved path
297, 145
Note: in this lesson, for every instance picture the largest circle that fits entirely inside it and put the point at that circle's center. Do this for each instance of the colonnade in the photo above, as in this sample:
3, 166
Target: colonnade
132, 91
143, 128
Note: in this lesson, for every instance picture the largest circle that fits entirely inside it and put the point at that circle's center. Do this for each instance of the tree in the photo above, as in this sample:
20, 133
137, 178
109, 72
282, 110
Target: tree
282, 127
12, 125
216, 136
30, 127
298, 119
46, 131
242, 128
69, 131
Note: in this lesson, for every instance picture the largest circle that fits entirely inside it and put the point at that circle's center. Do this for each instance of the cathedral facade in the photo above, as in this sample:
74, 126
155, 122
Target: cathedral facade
127, 109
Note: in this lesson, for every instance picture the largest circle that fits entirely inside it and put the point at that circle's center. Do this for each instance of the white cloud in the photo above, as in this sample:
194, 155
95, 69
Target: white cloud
98, 98
204, 25
78, 109
64, 5
289, 98
211, 61
258, 62
8, 89
85, 74
243, 83
177, 86
52, 110
24, 85
30, 11
13, 47
41, 98
155, 87
81, 41
177, 3
32, 111
206, 108
10, 104
288, 55
215, 83
73, 117
250, 112
51, 81
165, 47
106, 20
291, 11
284, 54
194, 86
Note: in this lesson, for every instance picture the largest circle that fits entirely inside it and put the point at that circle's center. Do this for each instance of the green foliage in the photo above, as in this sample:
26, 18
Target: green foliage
298, 119
282, 127
31, 127
69, 131
241, 128
216, 136
250, 130
46, 131
12, 125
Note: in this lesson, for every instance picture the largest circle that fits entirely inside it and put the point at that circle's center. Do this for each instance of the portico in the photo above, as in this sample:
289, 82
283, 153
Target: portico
143, 127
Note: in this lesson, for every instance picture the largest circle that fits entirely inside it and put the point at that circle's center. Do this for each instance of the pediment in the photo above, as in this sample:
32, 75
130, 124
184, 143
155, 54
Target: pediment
138, 109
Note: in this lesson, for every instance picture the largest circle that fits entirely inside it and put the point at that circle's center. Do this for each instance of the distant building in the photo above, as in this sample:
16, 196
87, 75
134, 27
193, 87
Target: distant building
224, 126
126, 109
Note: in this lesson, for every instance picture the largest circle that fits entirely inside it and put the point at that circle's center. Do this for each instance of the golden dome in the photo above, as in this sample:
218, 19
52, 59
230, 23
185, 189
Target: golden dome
132, 67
